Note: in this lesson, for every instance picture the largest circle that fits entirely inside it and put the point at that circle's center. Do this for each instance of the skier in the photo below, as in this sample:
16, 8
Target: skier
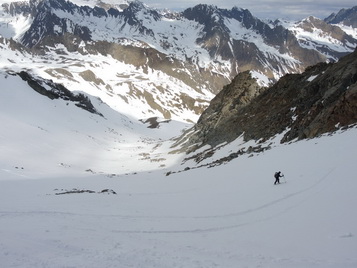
277, 175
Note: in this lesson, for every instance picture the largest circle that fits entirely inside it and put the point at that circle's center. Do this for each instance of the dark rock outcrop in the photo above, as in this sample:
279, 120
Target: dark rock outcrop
214, 125
320, 100
347, 17
58, 91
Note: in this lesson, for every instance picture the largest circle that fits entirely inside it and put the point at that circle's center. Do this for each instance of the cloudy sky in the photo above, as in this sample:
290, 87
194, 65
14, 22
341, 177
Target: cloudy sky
271, 9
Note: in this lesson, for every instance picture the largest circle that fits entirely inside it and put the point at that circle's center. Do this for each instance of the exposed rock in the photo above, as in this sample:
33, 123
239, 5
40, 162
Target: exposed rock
154, 122
75, 191
320, 100
215, 124
107, 191
58, 91
345, 16
81, 191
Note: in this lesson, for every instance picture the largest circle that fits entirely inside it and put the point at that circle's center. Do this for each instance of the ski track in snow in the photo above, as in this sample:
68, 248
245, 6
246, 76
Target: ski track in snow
237, 216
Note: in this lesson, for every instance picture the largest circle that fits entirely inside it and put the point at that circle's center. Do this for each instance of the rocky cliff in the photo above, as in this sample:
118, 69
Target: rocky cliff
346, 17
299, 106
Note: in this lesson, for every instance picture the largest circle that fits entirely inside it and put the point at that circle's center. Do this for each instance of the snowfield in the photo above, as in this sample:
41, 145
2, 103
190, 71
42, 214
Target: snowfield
81, 190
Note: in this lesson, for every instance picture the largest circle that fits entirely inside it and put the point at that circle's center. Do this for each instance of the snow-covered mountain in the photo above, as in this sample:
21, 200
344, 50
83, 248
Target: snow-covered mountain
347, 17
333, 41
162, 63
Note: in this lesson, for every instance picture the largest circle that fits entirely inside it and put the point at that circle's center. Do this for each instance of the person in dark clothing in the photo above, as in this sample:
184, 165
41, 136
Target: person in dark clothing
277, 177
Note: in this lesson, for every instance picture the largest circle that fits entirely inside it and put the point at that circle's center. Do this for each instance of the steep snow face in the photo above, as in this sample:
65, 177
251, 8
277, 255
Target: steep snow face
349, 30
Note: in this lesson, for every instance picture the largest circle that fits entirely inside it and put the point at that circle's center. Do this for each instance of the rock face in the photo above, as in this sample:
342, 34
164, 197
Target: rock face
347, 17
58, 91
214, 125
320, 100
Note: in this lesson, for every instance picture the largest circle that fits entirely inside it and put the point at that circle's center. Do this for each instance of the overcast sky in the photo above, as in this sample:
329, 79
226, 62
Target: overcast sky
271, 9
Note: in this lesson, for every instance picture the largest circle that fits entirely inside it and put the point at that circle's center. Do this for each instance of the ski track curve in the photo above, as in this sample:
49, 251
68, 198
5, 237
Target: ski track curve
242, 221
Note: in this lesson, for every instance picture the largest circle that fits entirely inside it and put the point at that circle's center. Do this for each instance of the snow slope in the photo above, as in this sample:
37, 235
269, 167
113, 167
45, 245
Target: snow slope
348, 29
228, 216
44, 137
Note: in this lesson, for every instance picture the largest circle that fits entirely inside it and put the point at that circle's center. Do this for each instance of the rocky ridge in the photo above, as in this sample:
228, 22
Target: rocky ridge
323, 99
346, 17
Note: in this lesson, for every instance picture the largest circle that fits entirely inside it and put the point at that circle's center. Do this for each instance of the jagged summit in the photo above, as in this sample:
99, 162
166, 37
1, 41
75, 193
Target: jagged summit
346, 17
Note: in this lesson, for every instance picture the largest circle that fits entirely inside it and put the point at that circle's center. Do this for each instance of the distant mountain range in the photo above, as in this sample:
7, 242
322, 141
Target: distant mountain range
148, 62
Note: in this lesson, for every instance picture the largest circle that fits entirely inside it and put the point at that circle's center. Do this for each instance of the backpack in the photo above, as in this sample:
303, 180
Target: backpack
276, 175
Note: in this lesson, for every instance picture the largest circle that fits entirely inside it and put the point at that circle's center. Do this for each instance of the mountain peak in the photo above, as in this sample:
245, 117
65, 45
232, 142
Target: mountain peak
206, 8
136, 10
137, 5
346, 17
202, 13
